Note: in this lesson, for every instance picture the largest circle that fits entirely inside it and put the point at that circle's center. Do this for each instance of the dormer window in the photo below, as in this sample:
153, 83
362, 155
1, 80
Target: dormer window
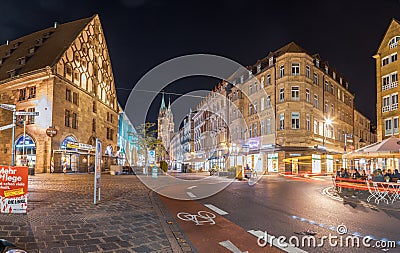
250, 74
334, 75
326, 69
271, 61
258, 68
341, 81
31, 50
46, 35
22, 61
241, 79
12, 73
317, 62
39, 42
16, 45
394, 42
8, 53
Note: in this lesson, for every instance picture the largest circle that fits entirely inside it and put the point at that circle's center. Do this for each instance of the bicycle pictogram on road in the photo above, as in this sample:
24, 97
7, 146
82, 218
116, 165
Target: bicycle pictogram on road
200, 218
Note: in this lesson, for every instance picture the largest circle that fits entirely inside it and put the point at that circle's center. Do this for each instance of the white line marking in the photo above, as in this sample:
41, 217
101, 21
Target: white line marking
273, 240
216, 209
231, 247
191, 195
191, 187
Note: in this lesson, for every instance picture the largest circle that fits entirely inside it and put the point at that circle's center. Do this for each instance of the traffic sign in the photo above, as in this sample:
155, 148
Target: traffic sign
7, 107
6, 127
27, 113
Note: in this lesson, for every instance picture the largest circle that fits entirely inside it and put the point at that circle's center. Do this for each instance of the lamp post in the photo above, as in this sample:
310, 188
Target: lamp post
327, 122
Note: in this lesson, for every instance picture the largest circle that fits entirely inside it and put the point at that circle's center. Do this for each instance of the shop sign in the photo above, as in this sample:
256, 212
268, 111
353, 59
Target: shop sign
51, 132
76, 145
13, 189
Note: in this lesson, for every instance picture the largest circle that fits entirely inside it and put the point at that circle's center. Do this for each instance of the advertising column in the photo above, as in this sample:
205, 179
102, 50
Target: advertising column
13, 189
273, 162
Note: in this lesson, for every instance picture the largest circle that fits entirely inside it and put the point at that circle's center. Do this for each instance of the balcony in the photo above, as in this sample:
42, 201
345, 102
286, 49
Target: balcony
394, 107
389, 86
386, 108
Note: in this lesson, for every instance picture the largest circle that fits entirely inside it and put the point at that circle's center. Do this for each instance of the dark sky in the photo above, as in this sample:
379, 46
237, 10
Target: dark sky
144, 33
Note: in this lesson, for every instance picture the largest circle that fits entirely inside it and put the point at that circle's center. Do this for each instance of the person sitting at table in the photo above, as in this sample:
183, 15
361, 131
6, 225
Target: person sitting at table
395, 176
356, 174
345, 174
388, 174
339, 172
377, 176
363, 174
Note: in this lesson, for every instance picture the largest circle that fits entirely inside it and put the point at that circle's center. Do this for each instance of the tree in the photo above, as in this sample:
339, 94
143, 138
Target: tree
146, 139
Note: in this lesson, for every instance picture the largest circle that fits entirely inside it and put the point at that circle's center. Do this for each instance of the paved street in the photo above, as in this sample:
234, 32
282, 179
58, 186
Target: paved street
288, 207
63, 218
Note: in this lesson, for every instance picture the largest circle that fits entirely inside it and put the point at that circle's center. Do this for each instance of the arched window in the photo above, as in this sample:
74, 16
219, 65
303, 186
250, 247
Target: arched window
394, 41
67, 140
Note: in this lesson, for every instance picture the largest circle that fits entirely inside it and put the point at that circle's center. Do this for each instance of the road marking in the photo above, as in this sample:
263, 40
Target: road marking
273, 240
231, 247
216, 209
206, 217
191, 187
191, 195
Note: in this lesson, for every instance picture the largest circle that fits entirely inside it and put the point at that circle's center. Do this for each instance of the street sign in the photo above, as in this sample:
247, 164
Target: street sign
7, 107
51, 131
152, 156
27, 113
6, 127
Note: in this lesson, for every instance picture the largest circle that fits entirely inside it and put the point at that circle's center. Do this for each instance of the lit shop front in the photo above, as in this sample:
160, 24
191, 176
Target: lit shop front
73, 157
25, 150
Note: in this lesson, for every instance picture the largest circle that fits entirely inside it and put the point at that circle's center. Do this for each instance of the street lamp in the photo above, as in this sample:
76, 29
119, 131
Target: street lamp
327, 122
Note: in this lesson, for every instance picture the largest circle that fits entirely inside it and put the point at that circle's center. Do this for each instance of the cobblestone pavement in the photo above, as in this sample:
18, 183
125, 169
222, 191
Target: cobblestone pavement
62, 217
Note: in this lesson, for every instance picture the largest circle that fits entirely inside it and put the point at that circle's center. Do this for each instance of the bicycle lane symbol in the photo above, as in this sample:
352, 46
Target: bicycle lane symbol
200, 218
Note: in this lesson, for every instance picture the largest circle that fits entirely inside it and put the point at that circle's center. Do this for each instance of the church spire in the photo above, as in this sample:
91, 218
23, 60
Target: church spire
162, 107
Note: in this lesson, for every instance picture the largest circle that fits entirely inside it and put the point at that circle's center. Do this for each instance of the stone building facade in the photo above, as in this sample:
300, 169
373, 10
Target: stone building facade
64, 73
290, 111
387, 89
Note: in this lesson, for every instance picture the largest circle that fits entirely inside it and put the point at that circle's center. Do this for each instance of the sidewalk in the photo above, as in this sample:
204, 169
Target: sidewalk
62, 217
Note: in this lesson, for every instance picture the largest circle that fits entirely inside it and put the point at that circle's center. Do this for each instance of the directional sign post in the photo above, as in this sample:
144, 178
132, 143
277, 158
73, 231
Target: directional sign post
13, 109
27, 113
6, 127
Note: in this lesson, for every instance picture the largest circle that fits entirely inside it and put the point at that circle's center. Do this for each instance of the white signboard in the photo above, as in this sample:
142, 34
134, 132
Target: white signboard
316, 163
27, 113
6, 127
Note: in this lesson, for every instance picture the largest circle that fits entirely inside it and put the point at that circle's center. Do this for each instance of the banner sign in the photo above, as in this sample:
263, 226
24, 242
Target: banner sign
329, 163
13, 189
272, 162
97, 171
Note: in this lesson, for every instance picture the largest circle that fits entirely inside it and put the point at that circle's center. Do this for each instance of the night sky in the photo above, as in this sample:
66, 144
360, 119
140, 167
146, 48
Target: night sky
144, 33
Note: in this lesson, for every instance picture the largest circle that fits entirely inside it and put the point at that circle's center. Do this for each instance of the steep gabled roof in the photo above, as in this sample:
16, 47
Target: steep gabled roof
49, 45
385, 40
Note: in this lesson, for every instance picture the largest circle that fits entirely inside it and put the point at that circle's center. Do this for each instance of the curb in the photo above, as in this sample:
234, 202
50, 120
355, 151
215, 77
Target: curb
179, 242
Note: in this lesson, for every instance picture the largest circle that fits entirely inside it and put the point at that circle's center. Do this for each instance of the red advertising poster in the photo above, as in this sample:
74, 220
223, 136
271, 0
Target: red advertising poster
13, 189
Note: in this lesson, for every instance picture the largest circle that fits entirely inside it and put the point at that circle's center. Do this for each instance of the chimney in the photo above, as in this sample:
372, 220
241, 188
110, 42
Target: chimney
55, 24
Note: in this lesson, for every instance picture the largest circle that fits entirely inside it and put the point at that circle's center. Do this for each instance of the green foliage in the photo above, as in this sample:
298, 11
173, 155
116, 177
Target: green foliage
164, 166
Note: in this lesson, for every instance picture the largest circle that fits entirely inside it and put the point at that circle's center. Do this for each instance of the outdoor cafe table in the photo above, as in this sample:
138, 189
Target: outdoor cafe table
385, 191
